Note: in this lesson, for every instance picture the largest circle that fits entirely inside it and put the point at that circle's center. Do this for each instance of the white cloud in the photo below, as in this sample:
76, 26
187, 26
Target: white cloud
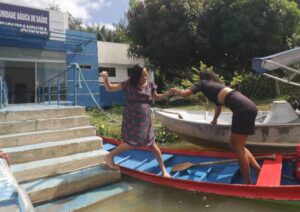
78, 8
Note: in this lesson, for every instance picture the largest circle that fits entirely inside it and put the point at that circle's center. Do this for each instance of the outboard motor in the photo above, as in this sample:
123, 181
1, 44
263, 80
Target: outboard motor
297, 163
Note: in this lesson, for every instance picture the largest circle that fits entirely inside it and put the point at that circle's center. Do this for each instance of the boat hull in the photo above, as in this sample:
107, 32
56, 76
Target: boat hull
196, 128
265, 192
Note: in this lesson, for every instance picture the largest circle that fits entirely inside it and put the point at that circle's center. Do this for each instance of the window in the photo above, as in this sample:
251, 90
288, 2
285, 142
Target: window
85, 67
129, 71
111, 71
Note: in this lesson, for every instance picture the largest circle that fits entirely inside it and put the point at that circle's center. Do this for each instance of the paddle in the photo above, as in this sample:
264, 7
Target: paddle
186, 165
179, 115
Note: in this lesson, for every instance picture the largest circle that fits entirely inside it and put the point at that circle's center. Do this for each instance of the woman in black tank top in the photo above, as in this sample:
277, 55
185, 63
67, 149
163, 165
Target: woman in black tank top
243, 119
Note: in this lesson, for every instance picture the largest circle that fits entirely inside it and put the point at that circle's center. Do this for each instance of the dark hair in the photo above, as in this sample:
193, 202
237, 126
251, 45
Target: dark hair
209, 76
135, 75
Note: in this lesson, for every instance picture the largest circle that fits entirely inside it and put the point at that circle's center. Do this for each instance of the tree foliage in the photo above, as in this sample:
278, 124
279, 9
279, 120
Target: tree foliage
241, 30
117, 35
166, 32
177, 34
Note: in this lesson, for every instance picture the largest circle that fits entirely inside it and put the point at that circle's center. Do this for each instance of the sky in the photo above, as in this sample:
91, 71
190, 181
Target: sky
103, 12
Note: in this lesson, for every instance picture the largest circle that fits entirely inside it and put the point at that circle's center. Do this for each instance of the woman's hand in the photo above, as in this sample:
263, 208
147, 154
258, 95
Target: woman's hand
104, 74
173, 91
213, 122
182, 93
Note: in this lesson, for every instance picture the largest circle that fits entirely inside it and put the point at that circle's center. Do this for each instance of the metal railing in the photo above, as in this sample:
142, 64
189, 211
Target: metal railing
54, 90
3, 93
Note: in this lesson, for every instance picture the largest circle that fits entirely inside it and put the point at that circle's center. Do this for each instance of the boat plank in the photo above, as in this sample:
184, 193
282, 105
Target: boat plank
227, 174
200, 175
153, 164
270, 173
108, 146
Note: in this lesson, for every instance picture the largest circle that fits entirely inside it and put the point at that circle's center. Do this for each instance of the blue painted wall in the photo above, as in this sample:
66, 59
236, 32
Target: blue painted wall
108, 99
82, 49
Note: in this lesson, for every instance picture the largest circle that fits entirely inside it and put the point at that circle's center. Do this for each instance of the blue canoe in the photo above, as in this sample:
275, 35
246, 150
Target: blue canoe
275, 180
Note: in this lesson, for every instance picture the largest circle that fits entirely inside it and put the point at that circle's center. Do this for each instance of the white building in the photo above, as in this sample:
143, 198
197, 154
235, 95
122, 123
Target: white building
113, 58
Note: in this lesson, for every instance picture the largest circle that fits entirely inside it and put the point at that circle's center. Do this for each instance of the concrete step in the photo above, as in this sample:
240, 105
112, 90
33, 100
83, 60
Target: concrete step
41, 151
40, 112
47, 189
43, 124
82, 201
20, 139
54, 166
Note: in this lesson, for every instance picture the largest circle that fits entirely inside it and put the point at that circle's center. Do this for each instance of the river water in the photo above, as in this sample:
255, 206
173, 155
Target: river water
148, 197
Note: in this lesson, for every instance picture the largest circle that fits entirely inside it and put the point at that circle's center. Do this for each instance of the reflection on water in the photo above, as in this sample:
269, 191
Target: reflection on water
148, 197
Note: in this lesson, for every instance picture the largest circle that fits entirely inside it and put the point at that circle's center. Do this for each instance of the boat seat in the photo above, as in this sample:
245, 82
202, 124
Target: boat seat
270, 173
281, 112
108, 147
227, 174
153, 164
199, 175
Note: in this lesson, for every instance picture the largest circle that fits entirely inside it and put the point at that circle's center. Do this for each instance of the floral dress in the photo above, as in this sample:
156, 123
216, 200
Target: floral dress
137, 126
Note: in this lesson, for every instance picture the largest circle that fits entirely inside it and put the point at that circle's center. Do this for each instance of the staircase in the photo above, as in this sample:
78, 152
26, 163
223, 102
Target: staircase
55, 156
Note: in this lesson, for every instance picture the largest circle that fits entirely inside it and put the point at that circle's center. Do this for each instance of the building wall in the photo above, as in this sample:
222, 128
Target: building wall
83, 52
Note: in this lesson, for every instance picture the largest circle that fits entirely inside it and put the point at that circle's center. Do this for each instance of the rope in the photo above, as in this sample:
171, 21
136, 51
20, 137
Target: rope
81, 78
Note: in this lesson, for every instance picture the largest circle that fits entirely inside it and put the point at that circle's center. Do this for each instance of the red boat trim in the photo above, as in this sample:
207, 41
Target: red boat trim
290, 193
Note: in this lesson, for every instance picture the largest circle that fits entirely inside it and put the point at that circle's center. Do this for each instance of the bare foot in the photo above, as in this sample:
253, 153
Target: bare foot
166, 174
109, 163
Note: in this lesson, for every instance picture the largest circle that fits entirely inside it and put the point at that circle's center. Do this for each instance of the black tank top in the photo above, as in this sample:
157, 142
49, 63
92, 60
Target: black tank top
209, 88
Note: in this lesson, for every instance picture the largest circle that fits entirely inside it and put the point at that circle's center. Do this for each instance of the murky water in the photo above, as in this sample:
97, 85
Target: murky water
148, 197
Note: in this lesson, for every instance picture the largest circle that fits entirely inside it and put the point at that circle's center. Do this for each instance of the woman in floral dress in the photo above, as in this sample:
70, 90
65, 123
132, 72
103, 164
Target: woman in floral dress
137, 128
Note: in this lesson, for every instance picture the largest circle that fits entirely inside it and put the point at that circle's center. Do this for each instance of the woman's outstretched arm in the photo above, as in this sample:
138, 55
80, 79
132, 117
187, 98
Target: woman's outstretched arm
183, 93
109, 86
162, 96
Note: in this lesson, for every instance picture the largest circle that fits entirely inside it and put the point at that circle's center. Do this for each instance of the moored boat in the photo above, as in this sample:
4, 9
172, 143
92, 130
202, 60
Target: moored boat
212, 172
277, 130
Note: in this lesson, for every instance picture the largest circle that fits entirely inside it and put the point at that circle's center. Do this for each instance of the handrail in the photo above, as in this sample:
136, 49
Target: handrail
44, 96
64, 71
3, 93
56, 90
23, 200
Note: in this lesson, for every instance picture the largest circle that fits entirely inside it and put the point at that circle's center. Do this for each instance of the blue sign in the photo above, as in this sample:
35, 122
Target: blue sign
28, 20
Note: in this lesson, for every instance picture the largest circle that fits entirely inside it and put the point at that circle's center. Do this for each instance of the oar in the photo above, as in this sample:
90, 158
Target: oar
179, 115
186, 165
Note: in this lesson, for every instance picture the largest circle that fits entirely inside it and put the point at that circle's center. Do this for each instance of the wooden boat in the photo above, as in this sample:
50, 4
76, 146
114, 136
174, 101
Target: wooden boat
277, 130
275, 180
